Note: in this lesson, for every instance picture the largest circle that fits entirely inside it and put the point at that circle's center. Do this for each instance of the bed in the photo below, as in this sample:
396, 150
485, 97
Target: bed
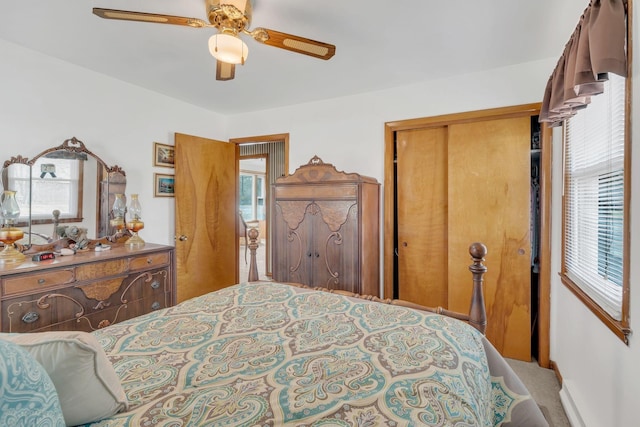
271, 354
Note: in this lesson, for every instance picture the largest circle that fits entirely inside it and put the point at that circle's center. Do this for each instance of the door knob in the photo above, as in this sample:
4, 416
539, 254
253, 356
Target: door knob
182, 238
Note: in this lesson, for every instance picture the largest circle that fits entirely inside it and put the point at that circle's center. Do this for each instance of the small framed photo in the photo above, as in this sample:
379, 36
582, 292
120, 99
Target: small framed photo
163, 185
163, 155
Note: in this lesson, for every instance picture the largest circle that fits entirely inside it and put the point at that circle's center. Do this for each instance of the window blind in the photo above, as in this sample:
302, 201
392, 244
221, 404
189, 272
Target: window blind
594, 197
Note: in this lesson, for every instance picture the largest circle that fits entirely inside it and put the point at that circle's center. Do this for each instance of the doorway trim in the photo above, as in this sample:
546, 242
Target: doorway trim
544, 283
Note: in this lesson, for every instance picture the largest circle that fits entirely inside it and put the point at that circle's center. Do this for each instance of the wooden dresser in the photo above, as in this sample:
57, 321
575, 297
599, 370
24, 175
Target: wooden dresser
326, 229
86, 291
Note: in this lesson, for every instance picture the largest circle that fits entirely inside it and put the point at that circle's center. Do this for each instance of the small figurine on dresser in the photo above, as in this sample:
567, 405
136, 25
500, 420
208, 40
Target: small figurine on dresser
77, 234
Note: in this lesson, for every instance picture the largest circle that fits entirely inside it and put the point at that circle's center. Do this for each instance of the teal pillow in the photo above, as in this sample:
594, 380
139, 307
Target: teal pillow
27, 394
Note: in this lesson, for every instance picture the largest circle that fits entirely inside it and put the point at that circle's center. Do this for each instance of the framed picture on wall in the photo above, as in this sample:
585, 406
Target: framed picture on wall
163, 185
163, 155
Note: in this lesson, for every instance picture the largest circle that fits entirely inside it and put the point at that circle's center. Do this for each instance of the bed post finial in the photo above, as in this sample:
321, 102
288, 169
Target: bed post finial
253, 246
477, 312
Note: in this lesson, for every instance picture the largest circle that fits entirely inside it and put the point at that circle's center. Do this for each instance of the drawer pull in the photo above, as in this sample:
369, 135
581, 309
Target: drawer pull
30, 317
41, 281
149, 260
155, 305
155, 284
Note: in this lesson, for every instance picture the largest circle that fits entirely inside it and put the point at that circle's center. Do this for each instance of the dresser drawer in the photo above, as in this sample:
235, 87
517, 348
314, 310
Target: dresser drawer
149, 261
109, 292
34, 312
97, 270
34, 282
145, 284
95, 321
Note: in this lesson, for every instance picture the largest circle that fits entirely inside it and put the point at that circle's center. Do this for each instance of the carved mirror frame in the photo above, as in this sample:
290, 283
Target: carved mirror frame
111, 175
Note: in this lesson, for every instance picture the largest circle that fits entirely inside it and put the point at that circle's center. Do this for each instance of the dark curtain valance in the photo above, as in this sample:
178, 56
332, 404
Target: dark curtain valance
596, 47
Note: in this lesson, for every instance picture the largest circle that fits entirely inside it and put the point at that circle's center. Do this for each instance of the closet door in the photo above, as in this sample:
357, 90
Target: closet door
489, 201
455, 185
422, 216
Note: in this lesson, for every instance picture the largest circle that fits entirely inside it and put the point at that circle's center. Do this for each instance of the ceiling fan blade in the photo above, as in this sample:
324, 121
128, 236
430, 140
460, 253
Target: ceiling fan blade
127, 15
294, 43
225, 71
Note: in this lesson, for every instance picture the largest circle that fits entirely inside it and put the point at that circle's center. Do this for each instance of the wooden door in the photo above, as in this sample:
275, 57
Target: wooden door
205, 193
458, 184
422, 216
489, 201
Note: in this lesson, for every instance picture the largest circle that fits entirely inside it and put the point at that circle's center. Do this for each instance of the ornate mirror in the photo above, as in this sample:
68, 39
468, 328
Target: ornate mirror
62, 187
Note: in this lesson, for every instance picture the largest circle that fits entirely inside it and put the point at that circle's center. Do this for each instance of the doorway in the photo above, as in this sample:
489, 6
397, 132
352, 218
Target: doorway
274, 150
252, 200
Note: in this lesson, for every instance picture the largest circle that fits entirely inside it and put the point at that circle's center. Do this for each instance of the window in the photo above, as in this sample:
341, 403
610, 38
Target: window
56, 184
595, 212
252, 194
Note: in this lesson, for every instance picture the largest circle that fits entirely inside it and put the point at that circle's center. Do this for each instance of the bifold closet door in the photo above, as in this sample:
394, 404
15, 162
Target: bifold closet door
455, 185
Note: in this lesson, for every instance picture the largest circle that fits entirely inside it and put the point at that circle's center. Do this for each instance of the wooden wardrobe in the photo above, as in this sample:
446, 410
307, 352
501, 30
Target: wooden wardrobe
326, 229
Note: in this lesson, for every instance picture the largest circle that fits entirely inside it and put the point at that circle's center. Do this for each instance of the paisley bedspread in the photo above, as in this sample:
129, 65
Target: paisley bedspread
269, 354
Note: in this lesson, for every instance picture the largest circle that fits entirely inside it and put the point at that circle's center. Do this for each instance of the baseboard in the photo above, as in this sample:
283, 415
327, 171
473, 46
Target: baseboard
569, 405
555, 368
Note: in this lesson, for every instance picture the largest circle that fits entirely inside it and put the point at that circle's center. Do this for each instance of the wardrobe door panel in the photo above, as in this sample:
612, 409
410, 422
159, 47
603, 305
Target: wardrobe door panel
337, 256
292, 244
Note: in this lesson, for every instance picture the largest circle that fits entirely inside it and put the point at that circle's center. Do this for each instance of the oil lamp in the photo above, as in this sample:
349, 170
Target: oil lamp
134, 224
118, 210
8, 233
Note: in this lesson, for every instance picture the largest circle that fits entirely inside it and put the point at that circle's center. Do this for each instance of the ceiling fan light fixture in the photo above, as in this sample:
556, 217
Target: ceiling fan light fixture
228, 48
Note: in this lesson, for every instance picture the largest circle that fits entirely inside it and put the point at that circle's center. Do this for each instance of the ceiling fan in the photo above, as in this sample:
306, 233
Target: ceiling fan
230, 17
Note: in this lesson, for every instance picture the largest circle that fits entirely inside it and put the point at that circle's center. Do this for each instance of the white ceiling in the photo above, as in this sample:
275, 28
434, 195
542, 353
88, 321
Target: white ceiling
379, 44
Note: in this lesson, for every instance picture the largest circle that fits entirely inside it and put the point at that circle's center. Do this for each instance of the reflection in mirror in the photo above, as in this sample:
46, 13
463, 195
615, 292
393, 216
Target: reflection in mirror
111, 183
58, 184
16, 175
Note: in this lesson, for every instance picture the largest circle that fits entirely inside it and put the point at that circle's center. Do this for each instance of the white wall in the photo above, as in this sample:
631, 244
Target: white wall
601, 374
44, 101
349, 132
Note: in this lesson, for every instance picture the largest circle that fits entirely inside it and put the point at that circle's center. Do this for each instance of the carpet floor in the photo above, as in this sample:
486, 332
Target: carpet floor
544, 388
